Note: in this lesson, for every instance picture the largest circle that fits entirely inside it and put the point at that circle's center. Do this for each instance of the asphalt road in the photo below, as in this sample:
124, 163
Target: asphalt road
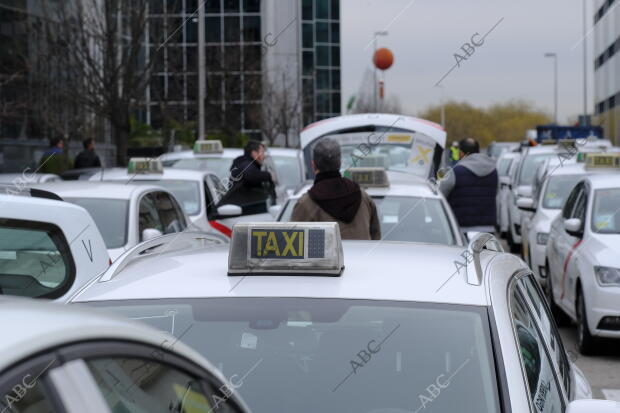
602, 370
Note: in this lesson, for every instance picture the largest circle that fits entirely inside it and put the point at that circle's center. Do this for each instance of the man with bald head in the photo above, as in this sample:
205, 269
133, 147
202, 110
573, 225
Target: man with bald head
471, 188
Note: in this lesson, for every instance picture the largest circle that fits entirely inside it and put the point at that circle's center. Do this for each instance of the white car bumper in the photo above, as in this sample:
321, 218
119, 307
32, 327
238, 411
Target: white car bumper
603, 309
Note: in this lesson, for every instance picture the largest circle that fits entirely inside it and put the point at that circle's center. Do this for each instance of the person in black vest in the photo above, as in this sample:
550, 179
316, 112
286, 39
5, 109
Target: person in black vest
87, 158
471, 188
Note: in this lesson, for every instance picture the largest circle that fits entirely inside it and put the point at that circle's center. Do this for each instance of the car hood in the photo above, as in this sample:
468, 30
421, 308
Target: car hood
606, 249
544, 218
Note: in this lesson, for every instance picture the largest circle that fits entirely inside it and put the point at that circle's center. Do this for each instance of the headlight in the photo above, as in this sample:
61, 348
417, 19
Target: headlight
607, 275
542, 238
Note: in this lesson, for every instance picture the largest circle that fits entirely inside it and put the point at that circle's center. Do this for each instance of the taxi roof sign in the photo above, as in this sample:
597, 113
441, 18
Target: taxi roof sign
209, 146
145, 166
285, 248
368, 176
602, 160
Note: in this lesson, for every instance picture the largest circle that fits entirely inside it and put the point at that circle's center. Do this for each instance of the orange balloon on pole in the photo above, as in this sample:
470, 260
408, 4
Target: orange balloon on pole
383, 59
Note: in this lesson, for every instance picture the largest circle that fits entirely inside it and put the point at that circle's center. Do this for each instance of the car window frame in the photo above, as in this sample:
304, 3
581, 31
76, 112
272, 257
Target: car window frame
582, 202
571, 199
102, 349
140, 199
177, 208
552, 325
512, 290
56, 235
39, 365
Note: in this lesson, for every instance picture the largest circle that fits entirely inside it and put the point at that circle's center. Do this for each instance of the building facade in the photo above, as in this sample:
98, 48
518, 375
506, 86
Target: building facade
607, 66
261, 55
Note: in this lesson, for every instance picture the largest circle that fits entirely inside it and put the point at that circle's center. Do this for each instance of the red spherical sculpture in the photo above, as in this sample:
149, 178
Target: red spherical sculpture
383, 59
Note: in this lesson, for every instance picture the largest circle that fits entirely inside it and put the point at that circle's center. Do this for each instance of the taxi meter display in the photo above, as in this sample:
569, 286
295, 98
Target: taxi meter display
285, 248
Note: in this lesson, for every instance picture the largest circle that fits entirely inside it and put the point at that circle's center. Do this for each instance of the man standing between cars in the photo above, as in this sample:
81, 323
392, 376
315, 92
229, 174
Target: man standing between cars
334, 198
54, 159
87, 158
471, 188
251, 186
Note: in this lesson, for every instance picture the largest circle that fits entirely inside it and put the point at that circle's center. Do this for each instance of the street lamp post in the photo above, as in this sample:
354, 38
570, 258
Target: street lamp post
374, 86
585, 67
202, 72
555, 71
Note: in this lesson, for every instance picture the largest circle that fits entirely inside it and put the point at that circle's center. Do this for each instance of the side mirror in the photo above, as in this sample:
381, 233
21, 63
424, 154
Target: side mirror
229, 210
573, 227
504, 181
524, 191
526, 204
274, 210
589, 405
150, 233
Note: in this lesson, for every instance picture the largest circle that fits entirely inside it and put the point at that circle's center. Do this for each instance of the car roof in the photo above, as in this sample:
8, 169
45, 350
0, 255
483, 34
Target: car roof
292, 152
400, 271
17, 178
169, 173
36, 326
96, 189
605, 180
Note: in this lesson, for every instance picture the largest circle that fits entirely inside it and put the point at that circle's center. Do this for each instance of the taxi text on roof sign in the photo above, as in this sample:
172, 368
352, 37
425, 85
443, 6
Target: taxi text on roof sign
211, 146
368, 176
286, 248
145, 166
602, 160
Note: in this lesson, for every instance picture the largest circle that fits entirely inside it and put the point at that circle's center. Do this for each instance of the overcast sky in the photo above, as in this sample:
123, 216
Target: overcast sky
424, 35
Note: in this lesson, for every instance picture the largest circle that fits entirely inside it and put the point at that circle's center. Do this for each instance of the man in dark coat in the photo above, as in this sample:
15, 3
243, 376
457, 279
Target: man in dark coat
87, 158
471, 188
251, 186
333, 198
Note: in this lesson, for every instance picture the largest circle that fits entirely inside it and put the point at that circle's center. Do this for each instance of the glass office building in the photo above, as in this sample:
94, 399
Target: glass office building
244, 40
607, 66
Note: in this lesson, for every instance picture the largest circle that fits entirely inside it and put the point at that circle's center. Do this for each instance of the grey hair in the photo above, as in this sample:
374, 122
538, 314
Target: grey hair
327, 155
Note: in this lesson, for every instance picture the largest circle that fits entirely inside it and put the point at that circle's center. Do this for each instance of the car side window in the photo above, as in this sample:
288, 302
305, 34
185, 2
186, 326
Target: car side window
570, 202
138, 385
148, 215
549, 331
35, 259
170, 213
25, 388
545, 393
580, 205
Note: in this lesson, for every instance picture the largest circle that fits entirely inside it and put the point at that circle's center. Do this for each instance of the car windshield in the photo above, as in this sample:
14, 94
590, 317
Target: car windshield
388, 156
406, 218
288, 170
305, 355
557, 190
529, 166
219, 166
186, 192
504, 166
110, 215
606, 211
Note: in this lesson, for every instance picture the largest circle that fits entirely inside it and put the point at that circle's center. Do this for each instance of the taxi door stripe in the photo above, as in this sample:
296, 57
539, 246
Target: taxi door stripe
566, 261
222, 228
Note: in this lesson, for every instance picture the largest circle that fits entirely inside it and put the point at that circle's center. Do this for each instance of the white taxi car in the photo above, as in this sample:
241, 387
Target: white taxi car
309, 321
25, 178
556, 181
56, 358
409, 208
583, 255
126, 214
198, 193
565, 151
48, 248
506, 168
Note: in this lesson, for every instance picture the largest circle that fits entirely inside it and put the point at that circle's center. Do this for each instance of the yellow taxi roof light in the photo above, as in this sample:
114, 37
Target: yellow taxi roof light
368, 176
145, 166
208, 146
285, 248
602, 160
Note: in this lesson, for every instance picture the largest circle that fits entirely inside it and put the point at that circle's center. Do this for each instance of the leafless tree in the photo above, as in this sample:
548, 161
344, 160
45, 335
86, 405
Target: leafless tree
281, 109
100, 46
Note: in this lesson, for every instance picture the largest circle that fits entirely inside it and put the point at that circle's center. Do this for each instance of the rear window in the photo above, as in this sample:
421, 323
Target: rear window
110, 215
35, 259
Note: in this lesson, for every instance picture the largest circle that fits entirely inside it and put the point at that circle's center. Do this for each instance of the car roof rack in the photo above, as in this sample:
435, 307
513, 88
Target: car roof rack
179, 241
9, 189
478, 243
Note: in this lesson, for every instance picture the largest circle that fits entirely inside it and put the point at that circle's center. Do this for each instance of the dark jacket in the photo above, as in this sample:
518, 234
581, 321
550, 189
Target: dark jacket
54, 161
87, 159
334, 198
471, 189
251, 187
